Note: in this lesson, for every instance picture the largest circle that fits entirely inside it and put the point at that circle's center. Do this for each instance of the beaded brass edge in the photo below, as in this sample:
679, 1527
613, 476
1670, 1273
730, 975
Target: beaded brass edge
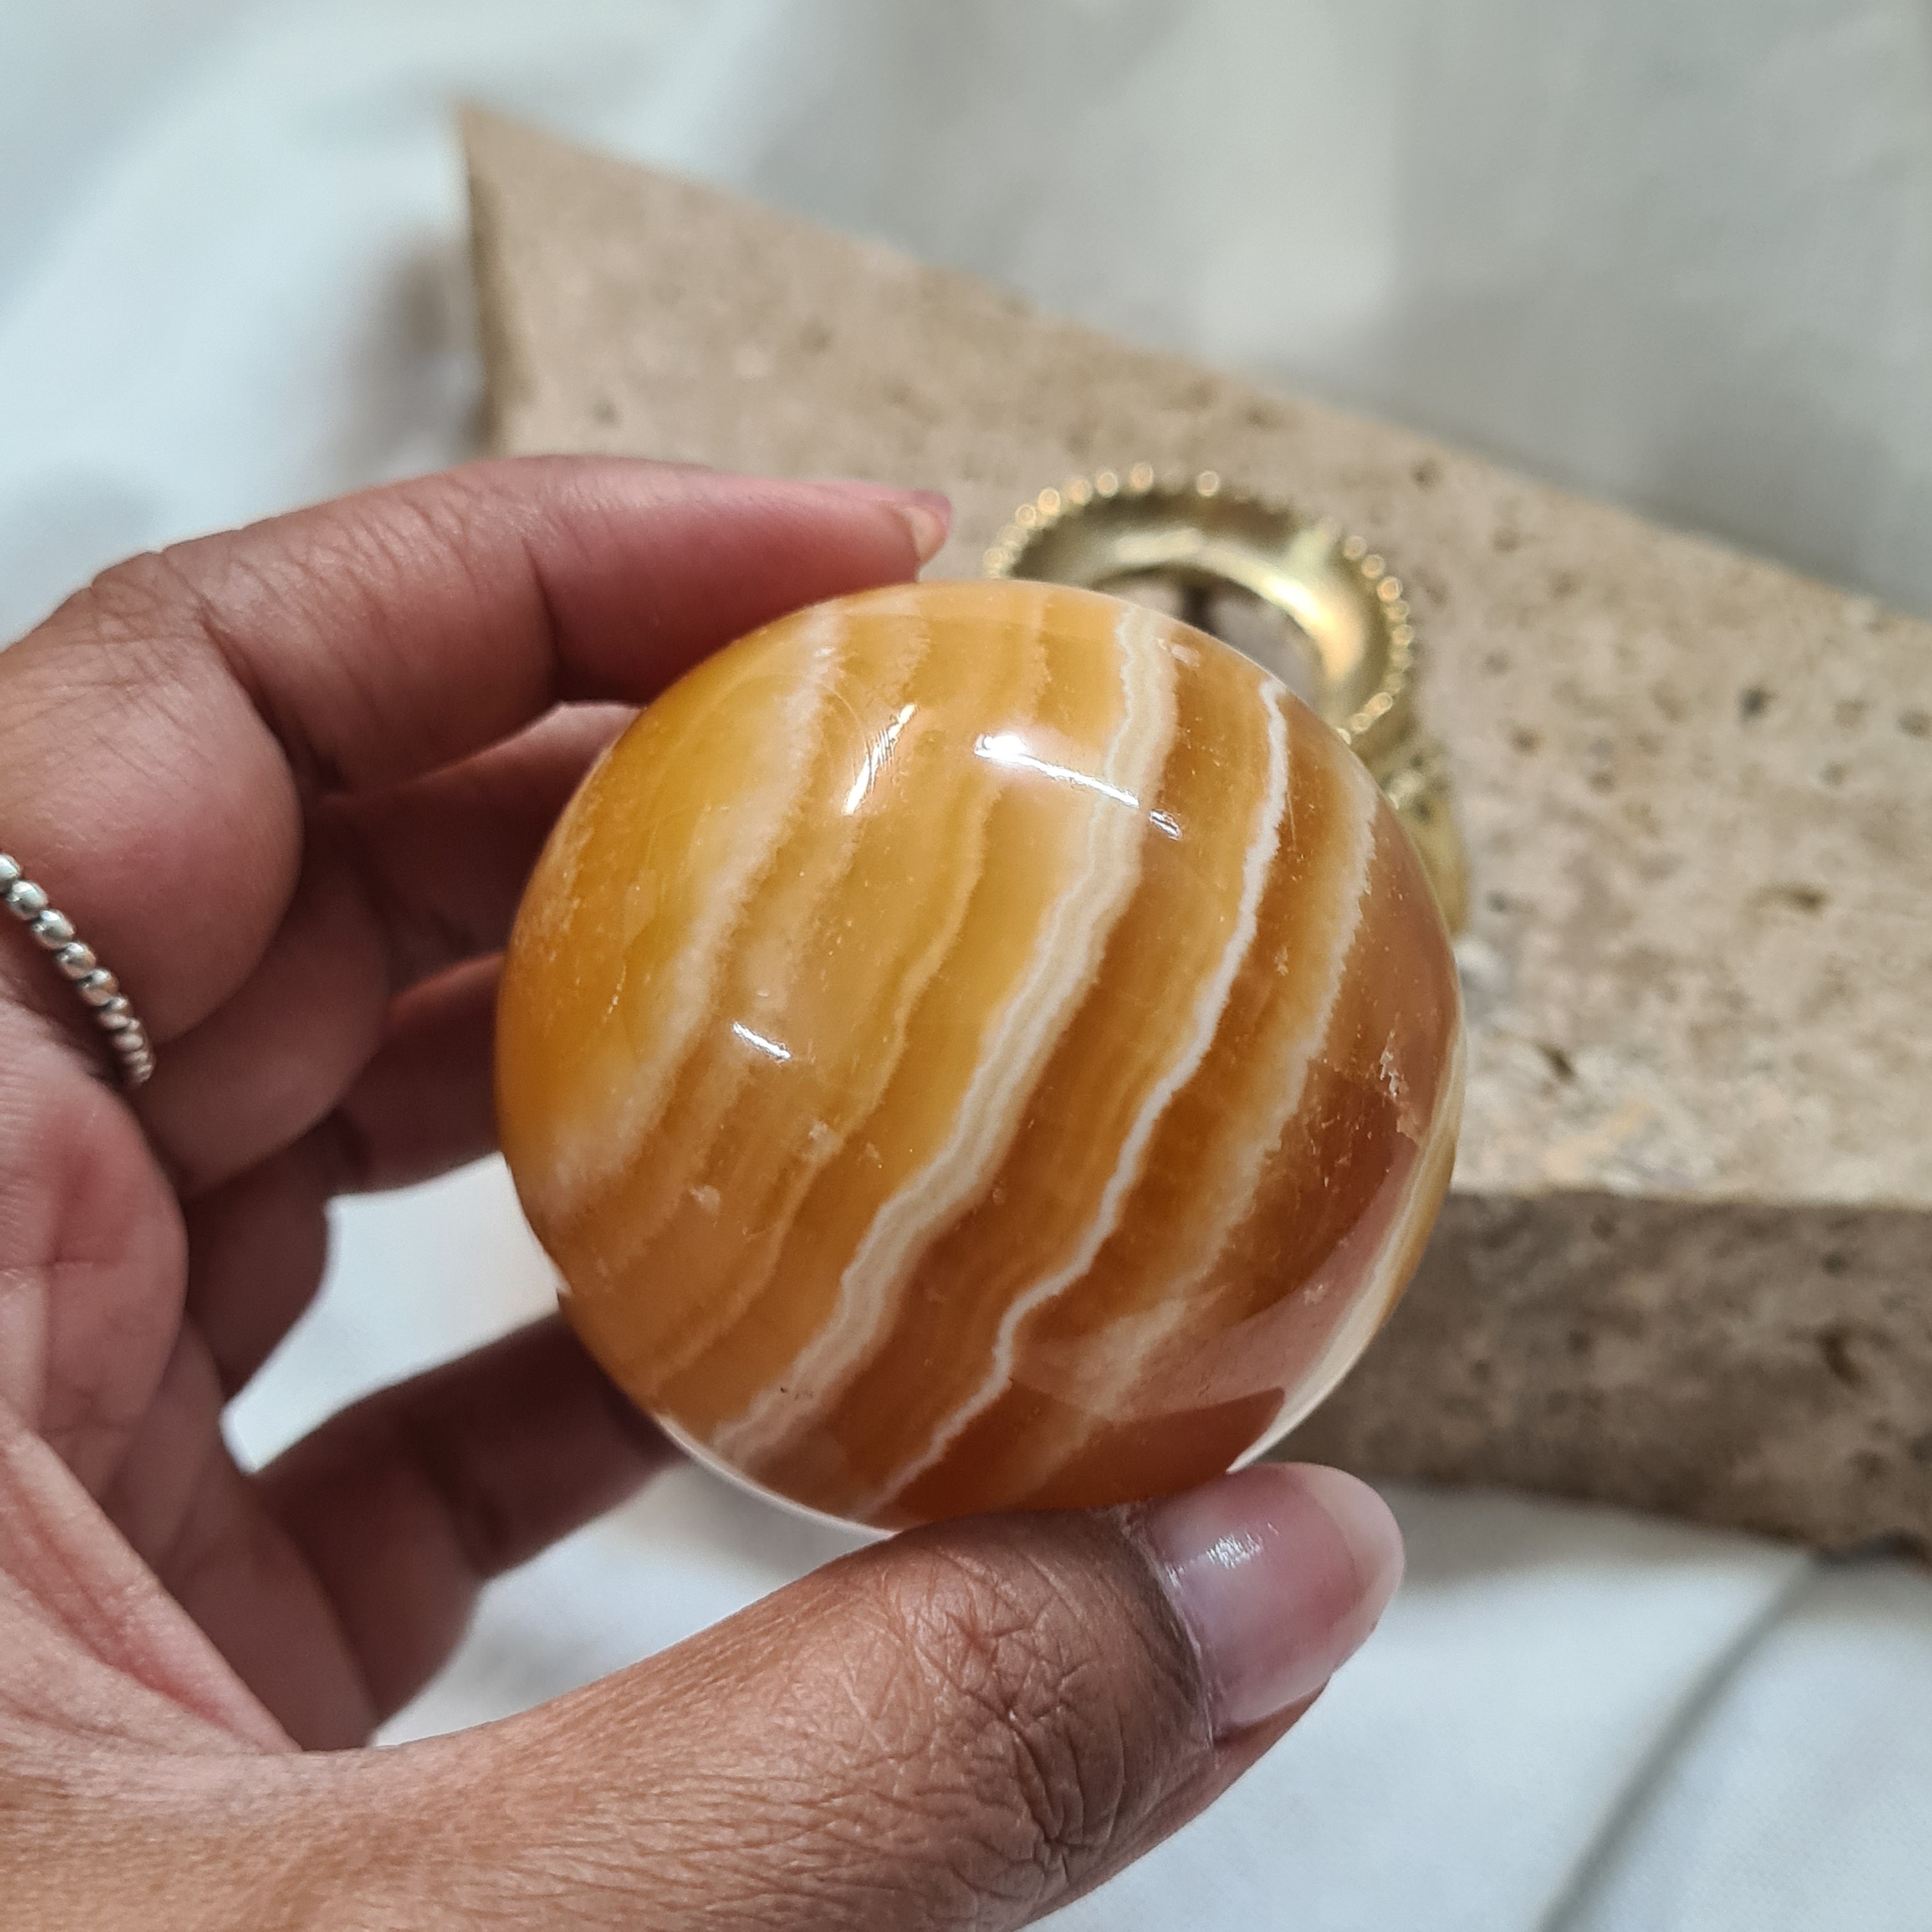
1020, 541
1338, 591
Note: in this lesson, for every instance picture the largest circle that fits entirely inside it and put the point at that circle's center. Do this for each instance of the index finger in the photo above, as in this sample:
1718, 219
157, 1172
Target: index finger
161, 733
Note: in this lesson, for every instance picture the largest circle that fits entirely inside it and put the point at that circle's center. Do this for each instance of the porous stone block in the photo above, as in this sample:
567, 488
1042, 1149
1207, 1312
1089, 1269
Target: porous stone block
1687, 1265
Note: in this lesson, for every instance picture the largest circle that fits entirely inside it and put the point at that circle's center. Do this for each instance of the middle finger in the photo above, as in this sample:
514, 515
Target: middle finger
258, 1245
395, 889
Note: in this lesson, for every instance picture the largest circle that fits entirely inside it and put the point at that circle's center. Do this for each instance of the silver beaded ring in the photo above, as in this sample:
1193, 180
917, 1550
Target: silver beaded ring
98, 989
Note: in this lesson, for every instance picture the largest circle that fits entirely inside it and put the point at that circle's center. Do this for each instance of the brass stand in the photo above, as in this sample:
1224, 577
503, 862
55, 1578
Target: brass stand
1351, 627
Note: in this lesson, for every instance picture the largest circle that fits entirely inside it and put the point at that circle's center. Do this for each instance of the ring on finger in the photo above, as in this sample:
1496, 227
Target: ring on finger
97, 989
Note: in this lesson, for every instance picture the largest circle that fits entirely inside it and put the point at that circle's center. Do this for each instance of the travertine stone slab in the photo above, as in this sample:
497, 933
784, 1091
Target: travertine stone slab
1689, 1266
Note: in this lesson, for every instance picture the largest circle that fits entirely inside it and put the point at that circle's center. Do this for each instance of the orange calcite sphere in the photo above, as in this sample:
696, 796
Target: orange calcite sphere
975, 1046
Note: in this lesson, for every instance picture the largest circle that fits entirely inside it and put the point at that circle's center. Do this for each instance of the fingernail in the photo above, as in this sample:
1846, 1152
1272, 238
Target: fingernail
1279, 1573
926, 514
929, 527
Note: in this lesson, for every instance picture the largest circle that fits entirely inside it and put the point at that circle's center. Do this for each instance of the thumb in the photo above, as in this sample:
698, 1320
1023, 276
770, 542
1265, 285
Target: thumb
969, 1725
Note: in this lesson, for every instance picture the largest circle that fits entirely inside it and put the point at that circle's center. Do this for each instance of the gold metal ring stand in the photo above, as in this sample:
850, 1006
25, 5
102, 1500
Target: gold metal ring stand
1350, 648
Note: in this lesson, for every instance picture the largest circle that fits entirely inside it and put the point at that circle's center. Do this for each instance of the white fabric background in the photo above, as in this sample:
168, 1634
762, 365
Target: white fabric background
1677, 252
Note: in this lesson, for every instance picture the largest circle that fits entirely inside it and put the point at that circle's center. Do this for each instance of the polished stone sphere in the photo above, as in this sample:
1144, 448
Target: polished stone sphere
979, 1045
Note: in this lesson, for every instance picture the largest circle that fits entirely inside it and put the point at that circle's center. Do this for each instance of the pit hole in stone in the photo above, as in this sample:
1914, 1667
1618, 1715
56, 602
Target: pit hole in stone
1835, 1347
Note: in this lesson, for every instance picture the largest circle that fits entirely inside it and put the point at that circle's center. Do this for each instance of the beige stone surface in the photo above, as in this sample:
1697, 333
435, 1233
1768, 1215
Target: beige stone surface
1689, 1265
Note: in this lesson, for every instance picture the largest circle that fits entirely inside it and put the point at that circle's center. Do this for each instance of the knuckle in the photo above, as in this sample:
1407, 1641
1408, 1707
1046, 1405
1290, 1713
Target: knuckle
134, 665
131, 617
1045, 1706
138, 604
